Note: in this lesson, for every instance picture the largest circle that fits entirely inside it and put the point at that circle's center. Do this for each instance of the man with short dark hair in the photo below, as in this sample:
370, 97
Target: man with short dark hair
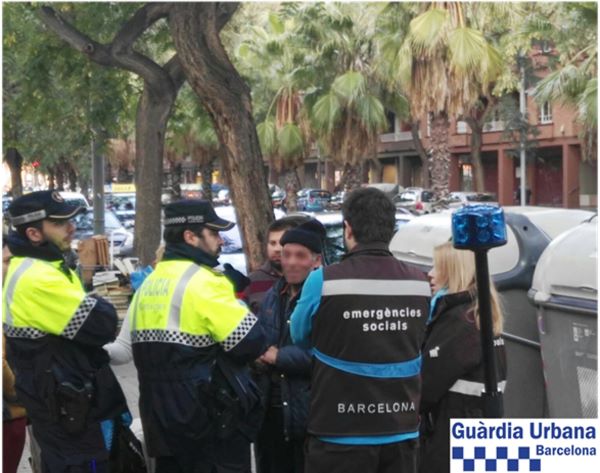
285, 373
55, 333
191, 340
264, 277
365, 321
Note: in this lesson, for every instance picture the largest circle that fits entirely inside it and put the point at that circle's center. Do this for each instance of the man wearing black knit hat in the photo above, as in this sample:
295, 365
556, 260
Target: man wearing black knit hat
286, 374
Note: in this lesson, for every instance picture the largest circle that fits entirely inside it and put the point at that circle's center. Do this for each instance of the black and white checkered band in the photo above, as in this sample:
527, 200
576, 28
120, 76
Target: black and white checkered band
171, 336
79, 317
240, 332
23, 332
184, 219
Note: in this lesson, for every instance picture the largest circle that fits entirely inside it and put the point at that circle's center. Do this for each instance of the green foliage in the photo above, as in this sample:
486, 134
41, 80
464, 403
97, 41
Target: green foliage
54, 99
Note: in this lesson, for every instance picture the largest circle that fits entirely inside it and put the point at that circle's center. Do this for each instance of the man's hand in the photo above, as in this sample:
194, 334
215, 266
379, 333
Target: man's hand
270, 356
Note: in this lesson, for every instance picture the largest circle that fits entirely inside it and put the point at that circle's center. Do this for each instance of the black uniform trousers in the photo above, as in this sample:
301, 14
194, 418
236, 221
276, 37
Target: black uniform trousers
231, 455
326, 457
274, 454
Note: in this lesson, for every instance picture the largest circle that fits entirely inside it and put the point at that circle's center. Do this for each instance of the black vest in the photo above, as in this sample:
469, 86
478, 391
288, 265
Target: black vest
373, 310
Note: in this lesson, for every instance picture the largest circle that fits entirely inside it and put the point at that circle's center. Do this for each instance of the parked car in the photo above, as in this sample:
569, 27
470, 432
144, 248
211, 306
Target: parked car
75, 198
333, 223
313, 200
277, 196
123, 205
118, 236
232, 251
458, 199
415, 199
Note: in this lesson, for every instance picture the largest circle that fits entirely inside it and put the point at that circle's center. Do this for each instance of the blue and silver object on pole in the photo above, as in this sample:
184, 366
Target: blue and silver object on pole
480, 228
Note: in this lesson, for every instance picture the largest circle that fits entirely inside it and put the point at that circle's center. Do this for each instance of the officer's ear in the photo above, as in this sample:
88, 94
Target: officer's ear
190, 237
35, 234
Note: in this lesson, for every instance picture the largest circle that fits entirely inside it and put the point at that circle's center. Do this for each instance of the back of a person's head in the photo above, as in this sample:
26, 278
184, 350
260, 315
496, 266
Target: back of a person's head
285, 223
371, 214
455, 268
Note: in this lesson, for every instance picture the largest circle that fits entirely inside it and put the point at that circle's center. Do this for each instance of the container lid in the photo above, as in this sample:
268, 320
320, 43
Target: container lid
414, 242
568, 266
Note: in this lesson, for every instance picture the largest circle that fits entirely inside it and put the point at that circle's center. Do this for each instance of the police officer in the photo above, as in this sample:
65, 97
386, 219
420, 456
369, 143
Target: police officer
55, 333
365, 320
191, 339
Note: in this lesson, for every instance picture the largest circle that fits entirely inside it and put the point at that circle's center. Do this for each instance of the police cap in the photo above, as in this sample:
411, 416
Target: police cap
41, 205
195, 212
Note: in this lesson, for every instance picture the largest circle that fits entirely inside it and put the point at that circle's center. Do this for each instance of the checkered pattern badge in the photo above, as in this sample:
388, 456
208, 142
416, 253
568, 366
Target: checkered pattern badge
524, 445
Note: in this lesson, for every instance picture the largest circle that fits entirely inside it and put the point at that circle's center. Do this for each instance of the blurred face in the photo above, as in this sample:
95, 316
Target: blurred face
434, 280
297, 261
210, 241
274, 249
6, 256
59, 232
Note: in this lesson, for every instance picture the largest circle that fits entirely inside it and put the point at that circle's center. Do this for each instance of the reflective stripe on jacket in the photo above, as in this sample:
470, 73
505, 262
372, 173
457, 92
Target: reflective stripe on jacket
40, 299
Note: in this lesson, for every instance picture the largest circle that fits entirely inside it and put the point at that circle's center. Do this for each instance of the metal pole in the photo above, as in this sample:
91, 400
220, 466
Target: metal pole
523, 110
98, 186
492, 398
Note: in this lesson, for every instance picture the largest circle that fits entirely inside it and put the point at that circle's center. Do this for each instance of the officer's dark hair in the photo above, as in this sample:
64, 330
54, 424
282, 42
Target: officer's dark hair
174, 234
371, 214
285, 223
22, 229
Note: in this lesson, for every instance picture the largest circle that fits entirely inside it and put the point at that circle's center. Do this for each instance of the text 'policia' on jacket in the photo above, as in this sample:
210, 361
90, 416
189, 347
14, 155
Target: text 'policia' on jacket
183, 316
367, 335
45, 310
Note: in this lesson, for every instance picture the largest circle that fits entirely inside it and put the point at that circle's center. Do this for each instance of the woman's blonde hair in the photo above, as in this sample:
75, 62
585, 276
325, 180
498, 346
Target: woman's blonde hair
455, 270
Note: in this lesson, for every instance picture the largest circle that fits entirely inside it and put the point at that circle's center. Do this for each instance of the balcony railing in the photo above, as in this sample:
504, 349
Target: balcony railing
463, 128
398, 136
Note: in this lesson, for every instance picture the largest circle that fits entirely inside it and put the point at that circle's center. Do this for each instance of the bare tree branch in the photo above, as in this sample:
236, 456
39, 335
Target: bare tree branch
95, 51
120, 52
225, 11
175, 71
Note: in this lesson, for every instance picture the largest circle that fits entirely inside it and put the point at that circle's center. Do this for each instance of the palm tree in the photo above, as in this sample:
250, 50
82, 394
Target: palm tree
572, 29
444, 65
348, 114
273, 57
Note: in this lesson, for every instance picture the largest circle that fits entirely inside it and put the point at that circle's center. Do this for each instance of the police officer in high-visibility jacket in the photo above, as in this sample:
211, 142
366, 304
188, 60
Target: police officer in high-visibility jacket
185, 323
55, 333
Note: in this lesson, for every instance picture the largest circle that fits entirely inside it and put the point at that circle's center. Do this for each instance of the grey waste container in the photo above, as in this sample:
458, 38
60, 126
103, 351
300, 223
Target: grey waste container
529, 231
565, 292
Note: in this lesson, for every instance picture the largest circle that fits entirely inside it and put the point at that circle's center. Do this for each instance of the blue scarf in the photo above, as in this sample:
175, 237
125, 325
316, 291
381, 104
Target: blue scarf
442, 292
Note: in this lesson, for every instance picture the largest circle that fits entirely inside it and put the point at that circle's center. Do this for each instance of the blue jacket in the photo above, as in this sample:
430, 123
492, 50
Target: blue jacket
293, 365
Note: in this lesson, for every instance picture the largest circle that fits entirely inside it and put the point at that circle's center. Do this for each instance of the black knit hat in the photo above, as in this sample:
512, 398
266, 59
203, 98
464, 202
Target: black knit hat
310, 234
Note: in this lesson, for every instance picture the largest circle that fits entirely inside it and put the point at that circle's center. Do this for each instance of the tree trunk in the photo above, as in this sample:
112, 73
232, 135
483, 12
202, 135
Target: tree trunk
376, 169
51, 178
195, 29
414, 131
72, 178
84, 184
60, 176
206, 170
153, 113
292, 186
15, 164
352, 176
440, 155
476, 143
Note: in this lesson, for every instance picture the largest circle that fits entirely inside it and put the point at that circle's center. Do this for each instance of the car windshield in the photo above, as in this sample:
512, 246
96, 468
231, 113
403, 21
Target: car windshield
76, 202
85, 221
406, 197
480, 198
426, 196
320, 195
334, 241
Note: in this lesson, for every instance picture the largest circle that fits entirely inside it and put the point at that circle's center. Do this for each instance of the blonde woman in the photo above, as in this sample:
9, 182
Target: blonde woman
453, 373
